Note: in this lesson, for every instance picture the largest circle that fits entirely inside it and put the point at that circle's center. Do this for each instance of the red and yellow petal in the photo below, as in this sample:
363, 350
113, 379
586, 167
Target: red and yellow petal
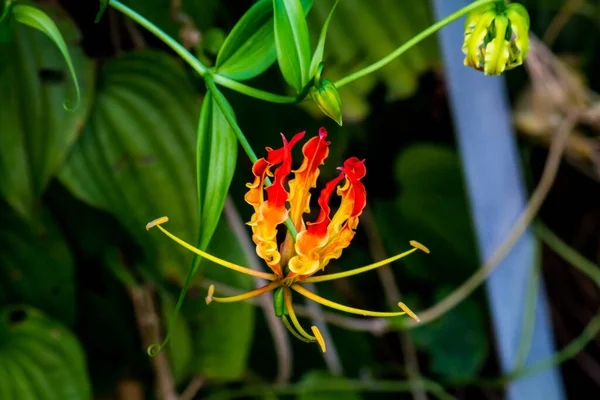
354, 199
353, 194
311, 241
315, 152
270, 212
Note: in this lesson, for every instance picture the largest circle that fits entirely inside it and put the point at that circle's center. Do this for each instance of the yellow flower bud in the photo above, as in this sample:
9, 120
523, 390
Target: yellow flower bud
496, 37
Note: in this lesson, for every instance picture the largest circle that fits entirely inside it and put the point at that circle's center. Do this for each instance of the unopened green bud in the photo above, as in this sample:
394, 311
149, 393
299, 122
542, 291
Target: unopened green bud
328, 99
496, 37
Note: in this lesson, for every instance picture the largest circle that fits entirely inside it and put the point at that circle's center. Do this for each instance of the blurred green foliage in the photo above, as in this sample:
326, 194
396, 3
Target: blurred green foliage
148, 140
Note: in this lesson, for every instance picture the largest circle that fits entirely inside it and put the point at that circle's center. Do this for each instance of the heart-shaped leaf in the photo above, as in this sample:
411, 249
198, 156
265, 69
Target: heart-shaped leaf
431, 208
36, 266
452, 358
135, 157
37, 131
292, 42
250, 46
39, 358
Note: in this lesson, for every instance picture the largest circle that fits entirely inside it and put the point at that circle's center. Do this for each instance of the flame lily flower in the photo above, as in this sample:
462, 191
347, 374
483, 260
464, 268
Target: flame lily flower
294, 262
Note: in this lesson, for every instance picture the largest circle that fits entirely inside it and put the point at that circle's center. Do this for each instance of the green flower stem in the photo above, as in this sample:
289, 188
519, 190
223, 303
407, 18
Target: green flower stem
406, 46
210, 84
253, 92
168, 40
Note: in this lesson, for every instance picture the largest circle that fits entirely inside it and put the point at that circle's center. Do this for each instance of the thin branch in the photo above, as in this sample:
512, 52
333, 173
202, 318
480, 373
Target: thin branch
113, 31
567, 10
149, 326
192, 389
136, 36
393, 296
528, 214
331, 356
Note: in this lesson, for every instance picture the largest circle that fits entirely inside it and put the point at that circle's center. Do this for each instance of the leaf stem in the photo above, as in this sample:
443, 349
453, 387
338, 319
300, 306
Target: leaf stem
159, 33
253, 92
406, 46
197, 65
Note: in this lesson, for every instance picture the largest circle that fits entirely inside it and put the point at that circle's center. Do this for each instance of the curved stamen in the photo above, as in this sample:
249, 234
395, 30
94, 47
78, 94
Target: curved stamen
244, 296
351, 310
290, 328
339, 275
287, 296
157, 222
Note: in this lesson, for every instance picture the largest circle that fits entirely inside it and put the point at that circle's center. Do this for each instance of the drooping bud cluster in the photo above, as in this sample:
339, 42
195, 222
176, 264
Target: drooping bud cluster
496, 37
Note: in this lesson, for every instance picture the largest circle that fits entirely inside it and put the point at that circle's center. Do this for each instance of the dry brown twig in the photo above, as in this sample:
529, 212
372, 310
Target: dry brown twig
555, 92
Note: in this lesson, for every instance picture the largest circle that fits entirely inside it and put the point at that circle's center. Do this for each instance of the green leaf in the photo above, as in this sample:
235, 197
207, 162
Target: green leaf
222, 333
321, 385
37, 132
249, 49
103, 5
39, 20
39, 358
318, 55
292, 42
451, 358
36, 266
216, 158
180, 349
135, 157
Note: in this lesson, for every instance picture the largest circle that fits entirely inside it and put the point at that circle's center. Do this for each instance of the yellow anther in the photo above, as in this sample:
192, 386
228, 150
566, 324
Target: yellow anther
408, 311
319, 337
209, 297
157, 221
419, 246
